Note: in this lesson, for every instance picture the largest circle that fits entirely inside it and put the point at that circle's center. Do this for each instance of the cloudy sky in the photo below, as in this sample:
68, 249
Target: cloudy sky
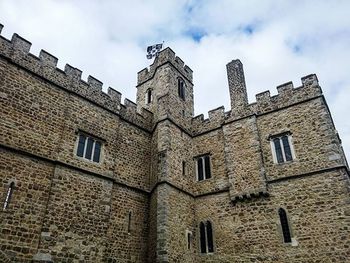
277, 41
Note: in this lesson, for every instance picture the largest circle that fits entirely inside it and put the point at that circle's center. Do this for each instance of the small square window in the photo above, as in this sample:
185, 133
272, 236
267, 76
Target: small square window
89, 148
282, 148
203, 168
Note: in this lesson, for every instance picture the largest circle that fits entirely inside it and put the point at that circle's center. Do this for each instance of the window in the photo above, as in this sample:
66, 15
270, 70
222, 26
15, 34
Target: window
282, 149
285, 226
181, 88
8, 195
148, 97
203, 168
188, 239
89, 148
129, 222
206, 237
183, 168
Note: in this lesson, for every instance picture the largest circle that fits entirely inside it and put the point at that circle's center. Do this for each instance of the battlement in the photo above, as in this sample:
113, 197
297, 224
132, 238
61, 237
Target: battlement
287, 95
17, 50
165, 56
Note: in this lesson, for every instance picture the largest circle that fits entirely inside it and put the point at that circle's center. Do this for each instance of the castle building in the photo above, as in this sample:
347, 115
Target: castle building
85, 178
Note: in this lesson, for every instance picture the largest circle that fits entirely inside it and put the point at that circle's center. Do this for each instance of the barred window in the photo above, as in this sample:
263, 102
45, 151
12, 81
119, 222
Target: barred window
203, 168
89, 148
282, 148
206, 237
8, 197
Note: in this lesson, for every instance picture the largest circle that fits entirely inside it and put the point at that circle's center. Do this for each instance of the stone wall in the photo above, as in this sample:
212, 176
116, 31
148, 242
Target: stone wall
249, 231
21, 222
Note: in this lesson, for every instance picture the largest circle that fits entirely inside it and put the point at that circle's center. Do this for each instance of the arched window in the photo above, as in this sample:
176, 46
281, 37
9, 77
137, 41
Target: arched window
148, 96
285, 226
8, 195
206, 237
181, 88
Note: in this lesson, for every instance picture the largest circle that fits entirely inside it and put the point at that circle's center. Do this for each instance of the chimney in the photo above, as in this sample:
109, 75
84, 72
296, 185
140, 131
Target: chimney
236, 83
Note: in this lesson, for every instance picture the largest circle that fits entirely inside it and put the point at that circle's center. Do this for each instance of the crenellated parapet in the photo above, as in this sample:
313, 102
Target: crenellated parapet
165, 56
17, 51
215, 120
287, 96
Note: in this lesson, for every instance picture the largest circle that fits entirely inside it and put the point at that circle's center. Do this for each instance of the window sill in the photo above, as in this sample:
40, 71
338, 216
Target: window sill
204, 180
288, 162
88, 161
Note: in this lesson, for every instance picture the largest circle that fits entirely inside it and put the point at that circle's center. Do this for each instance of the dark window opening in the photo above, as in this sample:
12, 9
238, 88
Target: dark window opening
286, 147
183, 168
206, 237
181, 88
203, 243
129, 222
285, 226
149, 96
200, 169
189, 240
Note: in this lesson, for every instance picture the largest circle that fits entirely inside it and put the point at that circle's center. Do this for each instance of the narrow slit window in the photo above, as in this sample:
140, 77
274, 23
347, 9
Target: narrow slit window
183, 168
129, 222
181, 88
148, 96
189, 239
8, 195
285, 226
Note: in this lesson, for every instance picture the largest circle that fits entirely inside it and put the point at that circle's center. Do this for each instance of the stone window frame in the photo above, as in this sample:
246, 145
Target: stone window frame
149, 96
95, 139
205, 221
181, 88
273, 149
294, 241
8, 197
202, 156
189, 239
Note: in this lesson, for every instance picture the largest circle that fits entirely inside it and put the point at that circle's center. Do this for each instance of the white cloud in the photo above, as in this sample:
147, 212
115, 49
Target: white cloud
276, 41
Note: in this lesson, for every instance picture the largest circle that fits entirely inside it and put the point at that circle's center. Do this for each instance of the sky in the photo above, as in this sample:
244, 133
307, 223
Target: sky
277, 42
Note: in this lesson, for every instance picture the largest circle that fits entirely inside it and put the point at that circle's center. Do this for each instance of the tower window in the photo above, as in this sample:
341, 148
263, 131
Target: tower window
183, 168
203, 168
285, 226
8, 195
148, 96
89, 148
282, 148
181, 88
206, 237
